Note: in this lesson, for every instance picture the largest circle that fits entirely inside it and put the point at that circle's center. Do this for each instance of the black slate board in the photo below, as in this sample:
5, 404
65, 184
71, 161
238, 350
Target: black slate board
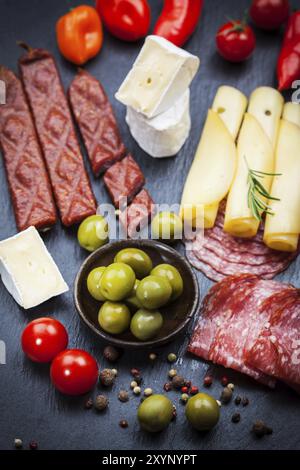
29, 406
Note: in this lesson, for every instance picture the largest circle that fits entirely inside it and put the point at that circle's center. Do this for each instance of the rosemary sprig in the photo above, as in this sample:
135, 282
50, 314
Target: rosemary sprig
257, 193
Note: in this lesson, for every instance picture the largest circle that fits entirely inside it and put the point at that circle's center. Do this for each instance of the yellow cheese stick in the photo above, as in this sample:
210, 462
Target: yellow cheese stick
213, 168
254, 151
266, 105
283, 227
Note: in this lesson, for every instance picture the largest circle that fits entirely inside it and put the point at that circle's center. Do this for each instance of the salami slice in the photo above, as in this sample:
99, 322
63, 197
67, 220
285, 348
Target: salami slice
136, 216
26, 172
277, 349
96, 121
218, 254
53, 121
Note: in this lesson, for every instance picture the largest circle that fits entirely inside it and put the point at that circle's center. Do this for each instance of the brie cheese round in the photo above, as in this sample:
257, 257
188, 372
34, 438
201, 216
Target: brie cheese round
165, 134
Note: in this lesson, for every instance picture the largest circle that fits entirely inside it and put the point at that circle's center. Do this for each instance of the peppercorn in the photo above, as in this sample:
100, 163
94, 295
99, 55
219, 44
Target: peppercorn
115, 372
134, 371
152, 356
148, 392
107, 377
88, 404
188, 383
236, 418
226, 395
137, 390
172, 373
123, 423
194, 390
172, 357
111, 354
101, 402
133, 384
245, 401
138, 379
174, 413
184, 389
33, 445
231, 386
237, 400
184, 398
259, 428
123, 396
208, 380
224, 381
177, 382
18, 443
167, 387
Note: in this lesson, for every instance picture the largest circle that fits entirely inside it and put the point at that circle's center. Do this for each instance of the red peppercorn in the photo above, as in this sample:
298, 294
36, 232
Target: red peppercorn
208, 380
224, 381
188, 383
194, 390
134, 371
167, 387
33, 445
184, 389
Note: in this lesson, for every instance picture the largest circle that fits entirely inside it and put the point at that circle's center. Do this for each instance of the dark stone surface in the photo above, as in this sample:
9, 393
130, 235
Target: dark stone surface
29, 406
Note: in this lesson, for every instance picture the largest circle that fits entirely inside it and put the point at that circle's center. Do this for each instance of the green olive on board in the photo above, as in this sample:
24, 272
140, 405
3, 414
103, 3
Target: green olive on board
132, 301
202, 411
93, 283
114, 317
145, 324
139, 261
117, 281
172, 274
154, 292
155, 413
93, 232
166, 226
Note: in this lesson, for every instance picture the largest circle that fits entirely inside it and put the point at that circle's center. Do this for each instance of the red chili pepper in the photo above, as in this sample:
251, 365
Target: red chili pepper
126, 19
178, 20
288, 65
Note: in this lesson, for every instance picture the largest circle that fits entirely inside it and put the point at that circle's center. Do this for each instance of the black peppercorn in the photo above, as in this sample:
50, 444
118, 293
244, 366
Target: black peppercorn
245, 401
226, 395
101, 402
167, 387
107, 377
123, 423
123, 396
178, 382
111, 354
237, 400
236, 418
88, 404
259, 428
138, 379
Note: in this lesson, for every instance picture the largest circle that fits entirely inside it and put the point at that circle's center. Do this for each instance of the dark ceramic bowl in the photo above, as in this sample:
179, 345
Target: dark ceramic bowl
176, 315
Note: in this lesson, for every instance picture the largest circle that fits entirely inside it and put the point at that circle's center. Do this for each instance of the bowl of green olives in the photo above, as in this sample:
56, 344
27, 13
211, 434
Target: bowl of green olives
136, 293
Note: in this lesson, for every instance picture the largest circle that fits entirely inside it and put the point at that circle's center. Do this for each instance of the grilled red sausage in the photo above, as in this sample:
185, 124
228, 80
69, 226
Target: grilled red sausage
73, 193
96, 121
26, 172
124, 180
136, 216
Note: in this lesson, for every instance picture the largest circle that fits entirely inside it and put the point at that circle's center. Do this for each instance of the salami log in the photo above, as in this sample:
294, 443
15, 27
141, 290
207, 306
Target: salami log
136, 216
53, 121
124, 180
26, 172
218, 254
96, 121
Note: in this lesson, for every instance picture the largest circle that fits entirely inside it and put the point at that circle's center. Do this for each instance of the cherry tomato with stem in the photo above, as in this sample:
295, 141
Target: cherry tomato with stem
235, 41
43, 339
74, 372
269, 14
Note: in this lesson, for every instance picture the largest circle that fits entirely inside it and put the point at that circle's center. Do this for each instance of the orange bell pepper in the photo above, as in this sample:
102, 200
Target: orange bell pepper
79, 34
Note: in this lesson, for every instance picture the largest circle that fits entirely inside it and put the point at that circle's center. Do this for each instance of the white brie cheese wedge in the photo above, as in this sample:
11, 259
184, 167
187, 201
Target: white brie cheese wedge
28, 271
161, 73
165, 134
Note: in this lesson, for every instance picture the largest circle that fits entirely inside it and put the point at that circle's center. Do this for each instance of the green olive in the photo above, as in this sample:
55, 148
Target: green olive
172, 274
139, 261
114, 317
93, 232
202, 411
154, 292
155, 413
117, 281
145, 324
166, 226
132, 301
93, 283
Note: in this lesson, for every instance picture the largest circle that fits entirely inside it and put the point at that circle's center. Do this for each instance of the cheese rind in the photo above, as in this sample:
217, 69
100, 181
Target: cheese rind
163, 135
254, 151
28, 271
161, 73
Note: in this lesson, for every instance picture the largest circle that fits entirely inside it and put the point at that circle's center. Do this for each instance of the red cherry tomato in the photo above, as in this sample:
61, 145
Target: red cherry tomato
269, 14
74, 372
43, 339
235, 41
